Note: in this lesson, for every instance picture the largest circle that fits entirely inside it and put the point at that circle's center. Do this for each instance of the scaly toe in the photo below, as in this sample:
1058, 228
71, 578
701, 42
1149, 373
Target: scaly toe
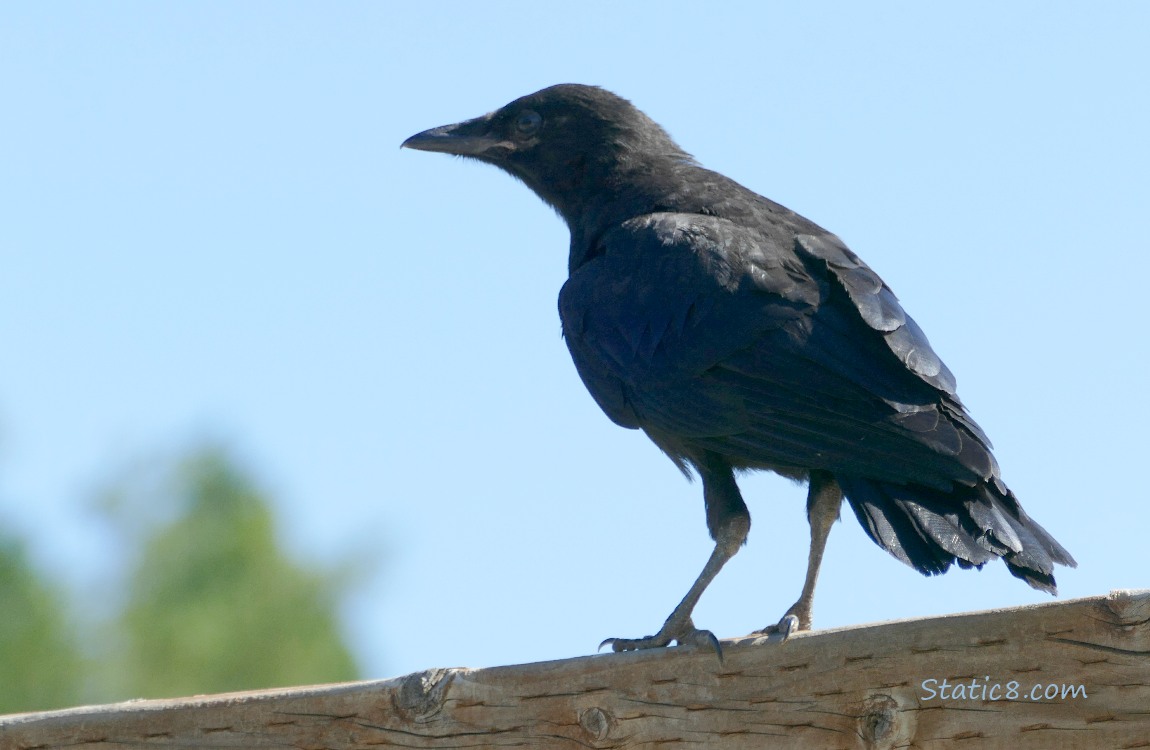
659, 640
687, 636
782, 629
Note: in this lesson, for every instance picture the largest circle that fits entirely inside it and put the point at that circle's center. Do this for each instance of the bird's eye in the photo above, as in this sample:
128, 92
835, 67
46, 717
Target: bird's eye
527, 123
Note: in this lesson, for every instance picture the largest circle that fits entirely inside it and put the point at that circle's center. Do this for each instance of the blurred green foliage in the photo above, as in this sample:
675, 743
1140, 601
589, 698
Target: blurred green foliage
210, 603
216, 606
40, 663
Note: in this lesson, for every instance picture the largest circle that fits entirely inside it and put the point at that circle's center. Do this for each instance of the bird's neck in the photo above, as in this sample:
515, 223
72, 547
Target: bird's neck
622, 195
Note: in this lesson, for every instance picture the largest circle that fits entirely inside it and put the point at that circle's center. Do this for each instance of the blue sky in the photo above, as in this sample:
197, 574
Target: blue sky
208, 231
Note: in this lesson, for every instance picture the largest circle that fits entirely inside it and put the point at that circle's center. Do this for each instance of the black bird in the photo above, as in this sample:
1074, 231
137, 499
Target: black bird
739, 335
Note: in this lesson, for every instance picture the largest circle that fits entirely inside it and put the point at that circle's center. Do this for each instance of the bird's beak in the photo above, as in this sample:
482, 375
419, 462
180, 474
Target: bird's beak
468, 138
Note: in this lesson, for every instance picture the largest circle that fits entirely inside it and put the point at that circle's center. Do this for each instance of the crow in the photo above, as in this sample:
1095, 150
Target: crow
739, 335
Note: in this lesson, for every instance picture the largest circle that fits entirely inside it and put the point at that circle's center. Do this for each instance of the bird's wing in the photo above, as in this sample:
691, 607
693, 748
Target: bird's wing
879, 308
660, 303
774, 350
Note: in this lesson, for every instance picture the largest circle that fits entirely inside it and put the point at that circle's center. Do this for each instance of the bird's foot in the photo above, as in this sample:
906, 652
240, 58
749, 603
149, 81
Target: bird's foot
684, 634
783, 629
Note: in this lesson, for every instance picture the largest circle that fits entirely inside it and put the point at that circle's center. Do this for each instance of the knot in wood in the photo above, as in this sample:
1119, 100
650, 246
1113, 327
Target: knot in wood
878, 721
596, 722
421, 695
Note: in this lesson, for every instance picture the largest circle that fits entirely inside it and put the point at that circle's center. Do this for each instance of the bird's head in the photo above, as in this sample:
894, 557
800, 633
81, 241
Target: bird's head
576, 146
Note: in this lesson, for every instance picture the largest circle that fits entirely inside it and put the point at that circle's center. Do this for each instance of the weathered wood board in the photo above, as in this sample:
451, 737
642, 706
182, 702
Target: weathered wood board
1069, 674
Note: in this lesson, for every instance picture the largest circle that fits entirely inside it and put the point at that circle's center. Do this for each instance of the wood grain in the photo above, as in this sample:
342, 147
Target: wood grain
860, 687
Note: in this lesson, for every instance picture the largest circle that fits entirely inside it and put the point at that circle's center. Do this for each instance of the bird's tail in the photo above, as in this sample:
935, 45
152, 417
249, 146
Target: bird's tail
929, 529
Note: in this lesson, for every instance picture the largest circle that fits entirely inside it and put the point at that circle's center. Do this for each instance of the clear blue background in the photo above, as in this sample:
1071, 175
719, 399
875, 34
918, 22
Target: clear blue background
208, 231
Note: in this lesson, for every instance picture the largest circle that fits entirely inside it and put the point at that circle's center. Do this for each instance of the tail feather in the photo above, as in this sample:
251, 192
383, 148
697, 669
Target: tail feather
931, 529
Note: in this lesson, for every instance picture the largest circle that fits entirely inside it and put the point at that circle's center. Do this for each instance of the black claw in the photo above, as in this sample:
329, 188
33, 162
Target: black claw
718, 648
707, 638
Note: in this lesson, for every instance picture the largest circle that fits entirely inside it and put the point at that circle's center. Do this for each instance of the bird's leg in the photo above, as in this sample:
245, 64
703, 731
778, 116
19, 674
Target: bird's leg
679, 627
729, 522
824, 498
